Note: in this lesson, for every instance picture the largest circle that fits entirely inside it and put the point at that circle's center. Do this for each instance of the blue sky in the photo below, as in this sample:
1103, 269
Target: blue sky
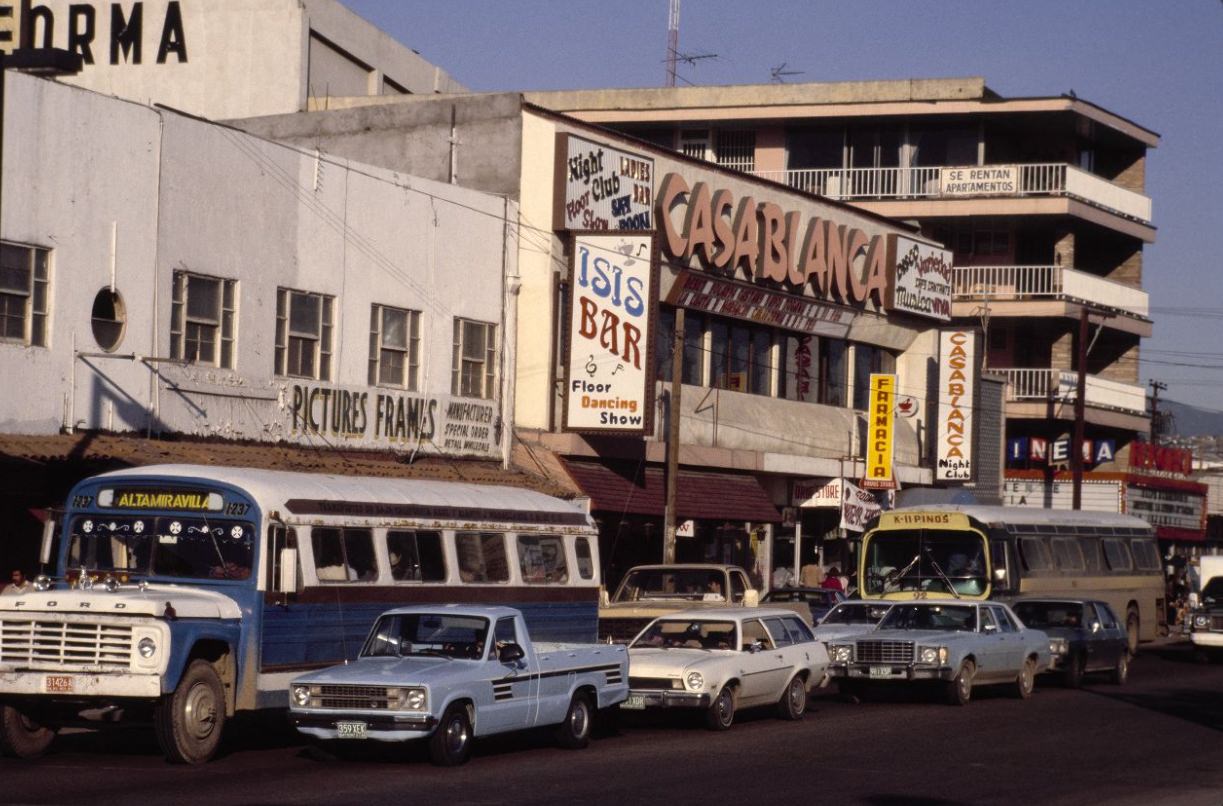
1158, 63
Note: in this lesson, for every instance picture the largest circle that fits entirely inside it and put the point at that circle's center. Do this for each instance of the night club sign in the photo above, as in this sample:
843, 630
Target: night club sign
602, 188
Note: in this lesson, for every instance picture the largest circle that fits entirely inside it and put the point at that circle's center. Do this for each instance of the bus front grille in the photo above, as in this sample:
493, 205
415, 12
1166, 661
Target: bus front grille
884, 652
68, 645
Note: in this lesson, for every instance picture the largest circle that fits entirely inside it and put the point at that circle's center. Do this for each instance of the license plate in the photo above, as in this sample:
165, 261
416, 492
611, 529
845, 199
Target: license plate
350, 730
60, 684
880, 671
635, 702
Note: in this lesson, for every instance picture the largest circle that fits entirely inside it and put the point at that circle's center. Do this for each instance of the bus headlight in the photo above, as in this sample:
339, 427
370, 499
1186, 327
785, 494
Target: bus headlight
696, 681
932, 655
301, 696
841, 653
1201, 620
147, 647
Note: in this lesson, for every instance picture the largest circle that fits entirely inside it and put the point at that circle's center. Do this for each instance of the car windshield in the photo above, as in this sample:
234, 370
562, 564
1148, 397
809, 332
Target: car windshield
930, 617
444, 635
161, 545
693, 584
687, 634
940, 561
1050, 614
1212, 592
856, 614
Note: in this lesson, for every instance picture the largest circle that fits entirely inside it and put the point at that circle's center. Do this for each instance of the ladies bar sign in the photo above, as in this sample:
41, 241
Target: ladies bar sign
611, 318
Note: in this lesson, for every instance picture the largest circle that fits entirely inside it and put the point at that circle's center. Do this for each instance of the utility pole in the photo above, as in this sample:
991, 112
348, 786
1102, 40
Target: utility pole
673, 414
672, 41
1157, 419
1080, 414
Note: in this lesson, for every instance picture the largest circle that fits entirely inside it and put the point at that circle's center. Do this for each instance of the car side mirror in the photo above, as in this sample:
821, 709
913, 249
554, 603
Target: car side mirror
1094, 626
991, 628
604, 597
288, 570
1000, 575
510, 653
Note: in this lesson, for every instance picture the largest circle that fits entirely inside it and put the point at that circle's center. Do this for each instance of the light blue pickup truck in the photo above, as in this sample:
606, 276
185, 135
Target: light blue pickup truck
454, 672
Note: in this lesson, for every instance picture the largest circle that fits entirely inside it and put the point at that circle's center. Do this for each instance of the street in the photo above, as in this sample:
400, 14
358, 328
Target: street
1155, 739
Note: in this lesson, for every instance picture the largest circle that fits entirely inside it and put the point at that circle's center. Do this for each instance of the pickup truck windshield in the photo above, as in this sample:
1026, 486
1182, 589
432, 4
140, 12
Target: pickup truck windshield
685, 634
158, 545
401, 635
692, 584
930, 617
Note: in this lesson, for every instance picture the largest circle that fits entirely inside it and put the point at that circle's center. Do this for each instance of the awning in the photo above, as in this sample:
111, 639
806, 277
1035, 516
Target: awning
634, 488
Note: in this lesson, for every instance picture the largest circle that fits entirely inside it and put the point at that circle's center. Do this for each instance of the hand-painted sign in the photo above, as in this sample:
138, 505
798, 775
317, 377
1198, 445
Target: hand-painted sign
608, 382
700, 292
880, 422
979, 180
957, 375
602, 188
103, 33
920, 280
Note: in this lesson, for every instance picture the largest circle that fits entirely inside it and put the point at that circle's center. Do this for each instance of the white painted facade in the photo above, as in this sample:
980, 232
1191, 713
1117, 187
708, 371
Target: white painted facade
152, 192
224, 59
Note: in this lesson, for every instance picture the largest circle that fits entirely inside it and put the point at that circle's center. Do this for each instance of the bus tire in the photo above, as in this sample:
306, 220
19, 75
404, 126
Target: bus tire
574, 732
450, 744
959, 688
1132, 625
22, 737
189, 721
1026, 681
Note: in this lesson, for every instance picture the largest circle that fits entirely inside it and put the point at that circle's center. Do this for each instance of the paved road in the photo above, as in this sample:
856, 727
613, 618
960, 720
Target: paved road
1157, 739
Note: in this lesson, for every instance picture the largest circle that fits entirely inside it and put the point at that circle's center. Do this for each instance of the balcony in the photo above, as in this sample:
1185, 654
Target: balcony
956, 182
1056, 283
1039, 385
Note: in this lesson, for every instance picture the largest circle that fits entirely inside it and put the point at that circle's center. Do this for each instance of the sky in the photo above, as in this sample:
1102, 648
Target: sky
1158, 63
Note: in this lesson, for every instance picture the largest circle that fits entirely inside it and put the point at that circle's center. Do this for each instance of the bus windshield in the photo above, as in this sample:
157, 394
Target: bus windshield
170, 546
937, 560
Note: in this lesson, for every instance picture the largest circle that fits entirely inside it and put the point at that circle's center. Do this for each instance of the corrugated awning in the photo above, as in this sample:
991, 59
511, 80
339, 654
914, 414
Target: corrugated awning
638, 489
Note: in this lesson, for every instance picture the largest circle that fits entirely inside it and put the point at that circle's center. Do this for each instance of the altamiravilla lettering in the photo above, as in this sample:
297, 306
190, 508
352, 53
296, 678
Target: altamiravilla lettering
839, 262
141, 500
126, 31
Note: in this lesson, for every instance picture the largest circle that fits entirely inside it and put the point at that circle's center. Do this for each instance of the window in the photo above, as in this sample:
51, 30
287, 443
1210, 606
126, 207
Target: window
586, 563
475, 352
778, 630
394, 347
505, 632
303, 334
23, 294
736, 149
280, 538
542, 560
108, 319
1067, 554
1146, 556
738, 586
343, 555
482, 557
987, 620
867, 360
202, 320
1107, 620
1005, 622
1035, 554
416, 556
1116, 554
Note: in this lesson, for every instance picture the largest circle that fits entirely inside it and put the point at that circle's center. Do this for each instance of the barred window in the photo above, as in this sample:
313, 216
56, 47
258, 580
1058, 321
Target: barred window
202, 320
303, 334
475, 365
394, 347
24, 276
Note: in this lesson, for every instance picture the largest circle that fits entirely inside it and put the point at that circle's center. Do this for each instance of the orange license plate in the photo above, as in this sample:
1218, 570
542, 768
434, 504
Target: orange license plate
60, 684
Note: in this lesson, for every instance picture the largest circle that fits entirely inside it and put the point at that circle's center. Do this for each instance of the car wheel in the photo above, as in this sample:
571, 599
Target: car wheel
574, 732
450, 744
1121, 671
1026, 680
959, 688
793, 702
1131, 630
1072, 675
721, 714
188, 723
21, 736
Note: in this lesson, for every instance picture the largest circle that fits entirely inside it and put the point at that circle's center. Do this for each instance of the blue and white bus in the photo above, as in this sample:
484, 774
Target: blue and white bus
185, 593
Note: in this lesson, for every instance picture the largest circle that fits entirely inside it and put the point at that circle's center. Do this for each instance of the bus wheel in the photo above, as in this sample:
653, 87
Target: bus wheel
188, 723
959, 688
21, 736
1131, 629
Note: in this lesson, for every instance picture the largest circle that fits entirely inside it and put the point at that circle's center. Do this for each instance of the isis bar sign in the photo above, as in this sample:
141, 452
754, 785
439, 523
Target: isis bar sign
879, 427
610, 334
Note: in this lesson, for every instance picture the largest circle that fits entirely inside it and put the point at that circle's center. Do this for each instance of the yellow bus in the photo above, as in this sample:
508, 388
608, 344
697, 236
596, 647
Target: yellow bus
1005, 553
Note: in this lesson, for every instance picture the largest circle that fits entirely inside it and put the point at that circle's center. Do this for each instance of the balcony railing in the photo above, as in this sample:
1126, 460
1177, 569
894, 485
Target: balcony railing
1038, 385
1007, 283
1034, 179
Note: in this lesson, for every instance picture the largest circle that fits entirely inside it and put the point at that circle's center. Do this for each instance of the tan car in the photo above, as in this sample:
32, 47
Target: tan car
650, 591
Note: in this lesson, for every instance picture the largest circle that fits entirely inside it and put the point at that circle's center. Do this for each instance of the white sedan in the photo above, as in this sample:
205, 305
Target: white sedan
723, 660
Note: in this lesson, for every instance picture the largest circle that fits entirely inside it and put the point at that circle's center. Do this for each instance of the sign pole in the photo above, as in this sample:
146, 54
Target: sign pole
1080, 414
673, 415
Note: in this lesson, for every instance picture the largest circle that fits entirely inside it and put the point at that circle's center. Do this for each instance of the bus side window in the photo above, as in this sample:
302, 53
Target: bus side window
1035, 554
343, 555
1117, 554
482, 557
416, 556
541, 559
586, 564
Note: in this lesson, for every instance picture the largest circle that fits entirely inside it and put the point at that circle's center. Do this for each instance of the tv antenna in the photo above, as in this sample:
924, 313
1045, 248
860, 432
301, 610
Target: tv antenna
780, 72
673, 53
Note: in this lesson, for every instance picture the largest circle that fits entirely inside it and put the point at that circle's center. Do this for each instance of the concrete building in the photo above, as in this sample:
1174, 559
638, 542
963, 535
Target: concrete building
1042, 203
168, 278
779, 342
223, 59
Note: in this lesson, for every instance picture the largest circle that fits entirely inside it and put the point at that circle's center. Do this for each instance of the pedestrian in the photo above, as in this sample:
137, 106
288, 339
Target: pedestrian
19, 584
783, 577
833, 580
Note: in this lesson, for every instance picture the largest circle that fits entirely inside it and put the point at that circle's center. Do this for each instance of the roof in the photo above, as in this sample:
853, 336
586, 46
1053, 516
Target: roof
483, 611
724, 613
640, 489
1035, 515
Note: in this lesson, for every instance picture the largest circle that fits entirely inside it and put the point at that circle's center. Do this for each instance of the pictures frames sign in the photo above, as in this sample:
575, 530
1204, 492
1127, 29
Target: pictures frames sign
609, 355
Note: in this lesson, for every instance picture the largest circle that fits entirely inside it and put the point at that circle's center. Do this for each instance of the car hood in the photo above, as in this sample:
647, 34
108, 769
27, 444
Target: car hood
387, 672
921, 636
840, 631
126, 600
651, 662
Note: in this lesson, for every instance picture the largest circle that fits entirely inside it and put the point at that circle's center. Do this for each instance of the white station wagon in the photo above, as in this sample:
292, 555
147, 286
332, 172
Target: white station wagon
722, 660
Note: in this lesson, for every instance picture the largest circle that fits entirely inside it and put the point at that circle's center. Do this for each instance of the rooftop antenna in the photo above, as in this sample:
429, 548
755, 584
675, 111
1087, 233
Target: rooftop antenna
673, 54
780, 72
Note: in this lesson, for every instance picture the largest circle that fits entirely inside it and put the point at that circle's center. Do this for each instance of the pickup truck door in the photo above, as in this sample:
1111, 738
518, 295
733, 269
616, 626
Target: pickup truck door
514, 685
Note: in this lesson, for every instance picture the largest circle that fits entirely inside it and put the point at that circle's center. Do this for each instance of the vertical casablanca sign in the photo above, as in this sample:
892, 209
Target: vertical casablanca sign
880, 424
957, 359
609, 379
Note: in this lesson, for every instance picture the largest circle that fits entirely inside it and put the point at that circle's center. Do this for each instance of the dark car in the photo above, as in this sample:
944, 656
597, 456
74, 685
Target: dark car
819, 600
1085, 633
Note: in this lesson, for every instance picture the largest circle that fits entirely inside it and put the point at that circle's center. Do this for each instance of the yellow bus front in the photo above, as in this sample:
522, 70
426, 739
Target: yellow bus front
924, 555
